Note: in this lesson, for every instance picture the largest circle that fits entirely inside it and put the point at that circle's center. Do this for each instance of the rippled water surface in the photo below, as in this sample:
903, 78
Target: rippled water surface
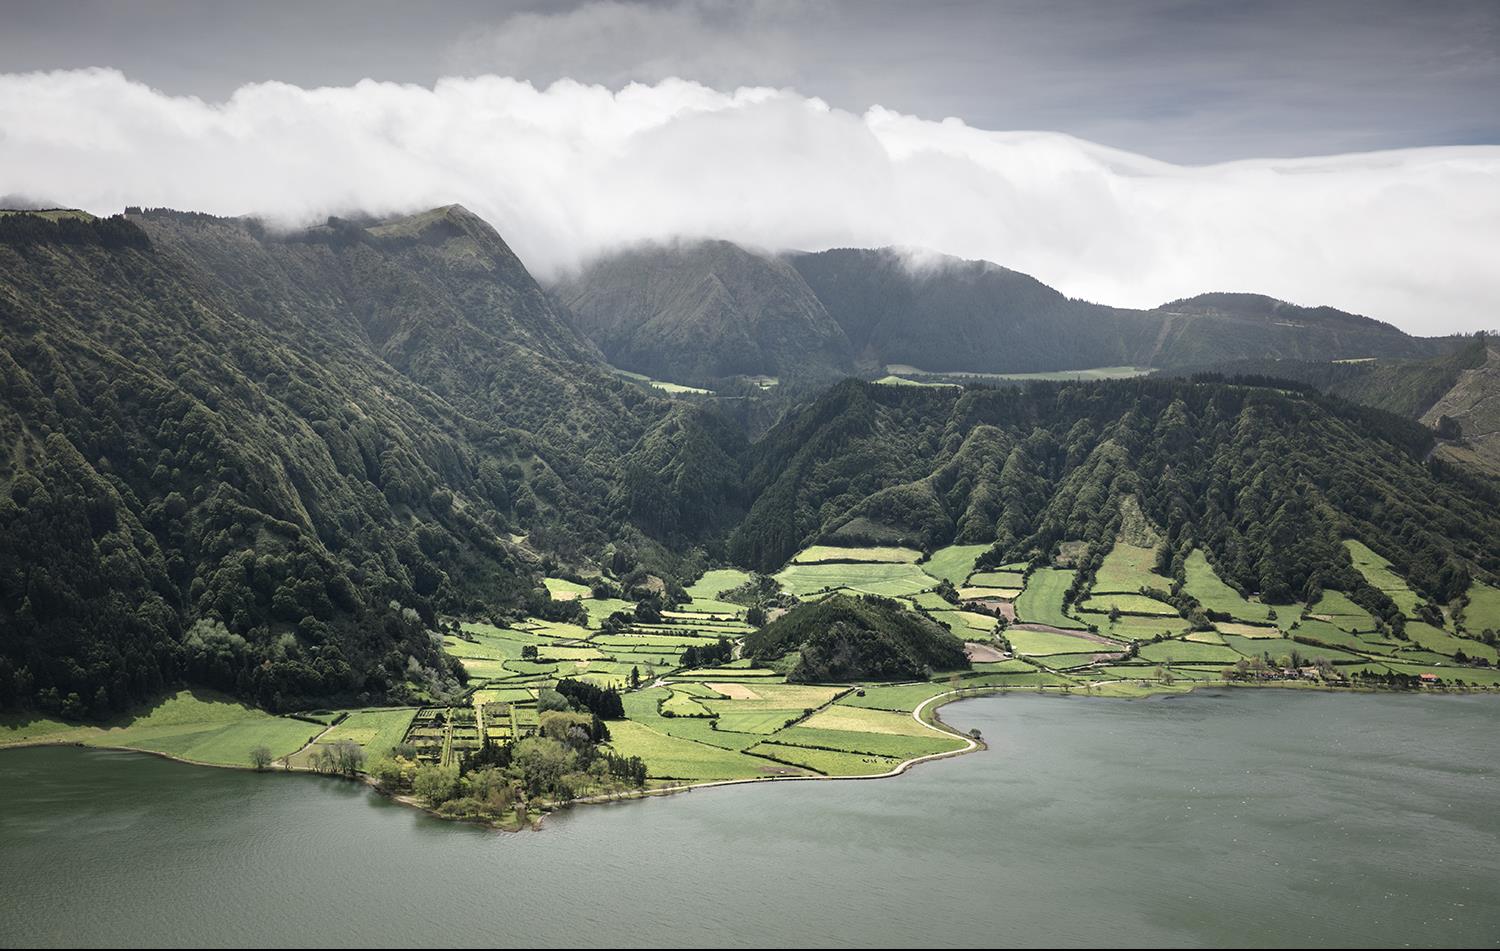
1254, 817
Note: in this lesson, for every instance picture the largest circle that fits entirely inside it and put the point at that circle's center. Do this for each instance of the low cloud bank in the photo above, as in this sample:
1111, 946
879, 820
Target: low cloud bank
572, 171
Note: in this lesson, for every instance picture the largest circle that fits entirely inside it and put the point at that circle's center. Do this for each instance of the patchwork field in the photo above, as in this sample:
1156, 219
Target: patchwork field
890, 579
1041, 601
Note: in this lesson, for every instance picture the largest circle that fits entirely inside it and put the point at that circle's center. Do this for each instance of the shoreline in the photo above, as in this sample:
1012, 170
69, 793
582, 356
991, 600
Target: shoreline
932, 705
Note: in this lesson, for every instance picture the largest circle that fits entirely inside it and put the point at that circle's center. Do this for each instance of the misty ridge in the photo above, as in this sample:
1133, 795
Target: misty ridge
589, 171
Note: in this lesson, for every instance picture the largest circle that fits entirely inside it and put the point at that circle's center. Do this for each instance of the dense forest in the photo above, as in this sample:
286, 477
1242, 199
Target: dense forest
271, 462
267, 462
1268, 480
844, 638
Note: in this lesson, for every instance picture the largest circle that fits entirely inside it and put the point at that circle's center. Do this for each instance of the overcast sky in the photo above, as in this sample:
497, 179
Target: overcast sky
1117, 150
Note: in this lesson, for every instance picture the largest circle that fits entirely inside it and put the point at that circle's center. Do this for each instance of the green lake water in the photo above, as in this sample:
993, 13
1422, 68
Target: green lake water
1266, 818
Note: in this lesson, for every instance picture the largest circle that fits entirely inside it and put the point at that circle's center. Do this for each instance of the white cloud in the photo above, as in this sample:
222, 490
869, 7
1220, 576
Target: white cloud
571, 171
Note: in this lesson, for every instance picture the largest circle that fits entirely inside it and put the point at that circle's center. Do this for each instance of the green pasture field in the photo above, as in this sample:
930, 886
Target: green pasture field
815, 554
763, 721
890, 579
1336, 606
998, 579
1218, 596
671, 757
1062, 661
1131, 627
897, 697
747, 696
1164, 652
1127, 569
1041, 601
1128, 604
681, 704
1047, 642
974, 593
967, 624
600, 608
954, 563
865, 720
930, 600
1483, 610
894, 745
1333, 636
716, 582
1379, 573
1251, 630
203, 727
827, 762
1439, 641
376, 731
561, 589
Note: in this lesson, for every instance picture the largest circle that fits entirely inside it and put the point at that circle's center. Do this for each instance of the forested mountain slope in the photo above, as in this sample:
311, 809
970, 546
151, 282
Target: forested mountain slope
1457, 393
697, 312
1268, 481
265, 462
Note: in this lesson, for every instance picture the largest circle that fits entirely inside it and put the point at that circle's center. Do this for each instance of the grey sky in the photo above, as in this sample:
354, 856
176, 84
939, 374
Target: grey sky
1184, 82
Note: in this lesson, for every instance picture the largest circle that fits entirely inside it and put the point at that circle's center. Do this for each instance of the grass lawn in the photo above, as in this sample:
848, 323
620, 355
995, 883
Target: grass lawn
1041, 600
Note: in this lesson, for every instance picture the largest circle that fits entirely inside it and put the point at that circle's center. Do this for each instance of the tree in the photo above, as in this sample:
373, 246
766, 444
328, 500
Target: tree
436, 784
260, 757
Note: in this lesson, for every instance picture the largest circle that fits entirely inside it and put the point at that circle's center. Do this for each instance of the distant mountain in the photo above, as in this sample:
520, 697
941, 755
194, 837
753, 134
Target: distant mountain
692, 311
1251, 326
1457, 393
944, 314
697, 312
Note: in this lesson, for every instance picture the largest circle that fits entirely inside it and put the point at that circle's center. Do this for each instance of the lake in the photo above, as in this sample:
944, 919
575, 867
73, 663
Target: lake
1249, 817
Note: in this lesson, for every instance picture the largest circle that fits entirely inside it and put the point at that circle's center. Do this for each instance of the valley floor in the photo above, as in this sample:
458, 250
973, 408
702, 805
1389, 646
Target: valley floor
736, 722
